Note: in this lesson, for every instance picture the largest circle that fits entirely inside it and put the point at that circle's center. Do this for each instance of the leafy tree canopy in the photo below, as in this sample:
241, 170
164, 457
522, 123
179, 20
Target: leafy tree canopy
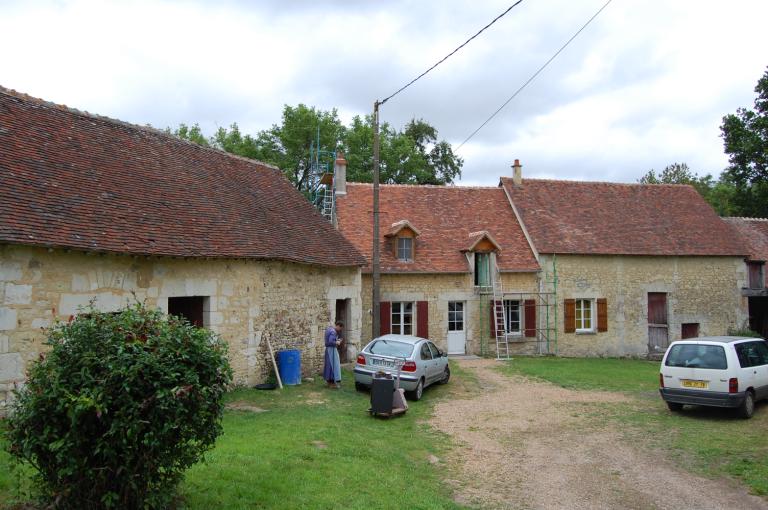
719, 193
414, 155
745, 139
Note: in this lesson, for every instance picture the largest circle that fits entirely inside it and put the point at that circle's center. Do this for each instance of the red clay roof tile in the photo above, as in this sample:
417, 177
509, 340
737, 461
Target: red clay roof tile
620, 219
754, 234
445, 217
75, 180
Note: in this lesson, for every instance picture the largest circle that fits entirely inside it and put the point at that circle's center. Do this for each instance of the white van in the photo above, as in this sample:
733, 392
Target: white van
720, 371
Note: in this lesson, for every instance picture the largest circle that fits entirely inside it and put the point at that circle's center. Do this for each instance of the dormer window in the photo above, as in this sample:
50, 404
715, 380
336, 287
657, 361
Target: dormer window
481, 246
405, 249
403, 236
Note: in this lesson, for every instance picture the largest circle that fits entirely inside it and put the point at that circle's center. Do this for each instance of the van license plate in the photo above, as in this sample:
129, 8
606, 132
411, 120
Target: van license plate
687, 383
382, 363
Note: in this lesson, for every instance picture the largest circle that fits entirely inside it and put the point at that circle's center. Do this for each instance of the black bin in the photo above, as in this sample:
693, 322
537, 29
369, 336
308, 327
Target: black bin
382, 388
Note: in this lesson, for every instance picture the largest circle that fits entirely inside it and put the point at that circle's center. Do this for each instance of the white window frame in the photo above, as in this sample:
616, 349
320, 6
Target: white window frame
456, 316
398, 316
507, 309
401, 249
579, 315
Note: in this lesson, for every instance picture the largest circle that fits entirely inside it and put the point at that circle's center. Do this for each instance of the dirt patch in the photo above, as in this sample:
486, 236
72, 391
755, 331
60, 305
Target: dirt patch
245, 406
315, 399
525, 444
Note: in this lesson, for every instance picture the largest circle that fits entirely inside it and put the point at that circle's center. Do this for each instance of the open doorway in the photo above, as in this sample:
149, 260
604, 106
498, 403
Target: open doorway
342, 314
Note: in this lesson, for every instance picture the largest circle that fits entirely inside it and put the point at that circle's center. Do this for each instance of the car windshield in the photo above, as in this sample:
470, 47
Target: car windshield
697, 356
391, 348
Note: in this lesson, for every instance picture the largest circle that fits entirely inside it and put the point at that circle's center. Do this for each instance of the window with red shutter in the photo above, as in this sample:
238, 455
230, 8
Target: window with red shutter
385, 311
422, 319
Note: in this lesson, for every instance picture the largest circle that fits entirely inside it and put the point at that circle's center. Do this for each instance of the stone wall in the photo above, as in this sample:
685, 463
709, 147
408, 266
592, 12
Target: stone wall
438, 290
703, 290
249, 302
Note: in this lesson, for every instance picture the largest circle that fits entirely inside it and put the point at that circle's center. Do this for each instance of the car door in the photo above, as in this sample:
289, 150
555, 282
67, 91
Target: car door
745, 352
438, 362
760, 365
426, 362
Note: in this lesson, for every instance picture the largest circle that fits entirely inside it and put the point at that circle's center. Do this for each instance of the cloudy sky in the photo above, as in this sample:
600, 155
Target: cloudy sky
645, 85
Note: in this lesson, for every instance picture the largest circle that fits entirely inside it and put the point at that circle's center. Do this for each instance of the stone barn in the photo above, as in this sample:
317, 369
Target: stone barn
94, 210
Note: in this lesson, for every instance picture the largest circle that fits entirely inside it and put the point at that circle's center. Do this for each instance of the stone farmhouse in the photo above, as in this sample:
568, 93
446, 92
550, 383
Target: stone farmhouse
557, 267
97, 210
754, 234
442, 249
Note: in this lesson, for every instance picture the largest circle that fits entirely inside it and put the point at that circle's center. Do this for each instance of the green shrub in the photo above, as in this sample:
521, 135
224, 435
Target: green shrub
117, 410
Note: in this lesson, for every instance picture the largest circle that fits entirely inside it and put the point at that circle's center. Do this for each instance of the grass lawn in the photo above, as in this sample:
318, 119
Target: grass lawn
712, 442
314, 448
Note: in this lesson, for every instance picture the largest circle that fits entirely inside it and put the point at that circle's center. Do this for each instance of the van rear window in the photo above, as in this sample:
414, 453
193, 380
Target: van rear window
697, 356
391, 348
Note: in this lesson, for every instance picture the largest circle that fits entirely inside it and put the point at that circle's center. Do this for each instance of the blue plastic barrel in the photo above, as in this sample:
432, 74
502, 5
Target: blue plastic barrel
289, 365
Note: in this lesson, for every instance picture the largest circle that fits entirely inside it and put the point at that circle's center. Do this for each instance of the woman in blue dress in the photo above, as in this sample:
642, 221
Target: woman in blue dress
332, 366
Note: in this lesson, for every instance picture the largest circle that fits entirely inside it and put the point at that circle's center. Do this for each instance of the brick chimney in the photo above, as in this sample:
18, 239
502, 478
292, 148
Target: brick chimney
340, 174
517, 173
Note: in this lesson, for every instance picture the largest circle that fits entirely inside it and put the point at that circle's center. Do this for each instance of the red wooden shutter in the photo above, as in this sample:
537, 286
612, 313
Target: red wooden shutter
385, 315
570, 316
602, 315
493, 318
530, 317
422, 319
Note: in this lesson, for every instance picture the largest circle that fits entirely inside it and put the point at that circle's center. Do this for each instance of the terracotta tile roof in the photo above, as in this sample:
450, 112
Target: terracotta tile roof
620, 219
445, 217
754, 233
75, 180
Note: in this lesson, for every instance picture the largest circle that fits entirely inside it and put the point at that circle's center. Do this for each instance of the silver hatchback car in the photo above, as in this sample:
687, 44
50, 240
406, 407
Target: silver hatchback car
422, 363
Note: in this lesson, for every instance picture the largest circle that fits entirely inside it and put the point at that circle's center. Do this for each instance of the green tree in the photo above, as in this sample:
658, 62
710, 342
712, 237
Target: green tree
745, 138
192, 133
411, 156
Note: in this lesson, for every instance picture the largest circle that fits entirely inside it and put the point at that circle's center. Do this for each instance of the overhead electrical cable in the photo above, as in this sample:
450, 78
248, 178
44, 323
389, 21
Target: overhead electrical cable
497, 18
534, 75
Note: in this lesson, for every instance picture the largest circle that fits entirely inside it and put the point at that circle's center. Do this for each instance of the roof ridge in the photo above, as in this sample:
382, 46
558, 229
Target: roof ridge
745, 218
146, 128
567, 181
437, 186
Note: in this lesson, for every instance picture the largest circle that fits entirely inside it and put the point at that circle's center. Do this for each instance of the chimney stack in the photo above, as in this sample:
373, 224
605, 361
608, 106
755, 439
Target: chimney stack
340, 174
517, 173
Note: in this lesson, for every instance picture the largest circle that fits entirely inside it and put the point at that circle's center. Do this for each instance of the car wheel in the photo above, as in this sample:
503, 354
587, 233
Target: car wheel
446, 375
360, 386
675, 407
418, 392
747, 408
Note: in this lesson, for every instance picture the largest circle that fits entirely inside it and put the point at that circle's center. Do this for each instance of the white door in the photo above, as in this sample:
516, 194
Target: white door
457, 330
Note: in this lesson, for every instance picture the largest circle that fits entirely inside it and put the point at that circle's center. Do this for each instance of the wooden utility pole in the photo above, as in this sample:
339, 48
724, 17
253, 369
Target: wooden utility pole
375, 263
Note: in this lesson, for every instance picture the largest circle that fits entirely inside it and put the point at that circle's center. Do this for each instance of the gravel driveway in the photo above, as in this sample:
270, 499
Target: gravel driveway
521, 445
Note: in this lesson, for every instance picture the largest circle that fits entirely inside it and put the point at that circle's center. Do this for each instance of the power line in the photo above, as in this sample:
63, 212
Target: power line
533, 76
497, 18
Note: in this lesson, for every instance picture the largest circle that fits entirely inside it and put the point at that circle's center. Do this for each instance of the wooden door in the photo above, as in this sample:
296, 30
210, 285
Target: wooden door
658, 325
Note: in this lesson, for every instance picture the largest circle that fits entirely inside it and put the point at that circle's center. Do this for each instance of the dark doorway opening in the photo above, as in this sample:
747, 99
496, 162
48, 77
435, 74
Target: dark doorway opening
342, 314
758, 315
191, 308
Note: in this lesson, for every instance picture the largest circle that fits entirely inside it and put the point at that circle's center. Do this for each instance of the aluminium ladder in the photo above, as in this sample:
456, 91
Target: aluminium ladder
500, 319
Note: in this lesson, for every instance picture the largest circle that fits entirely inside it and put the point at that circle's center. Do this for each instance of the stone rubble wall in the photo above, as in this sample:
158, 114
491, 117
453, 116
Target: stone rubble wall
703, 290
249, 302
438, 290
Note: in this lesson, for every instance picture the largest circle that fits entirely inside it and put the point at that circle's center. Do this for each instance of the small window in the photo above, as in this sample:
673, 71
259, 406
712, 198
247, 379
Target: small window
512, 311
402, 318
405, 248
584, 316
482, 269
455, 316
697, 356
192, 308
435, 351
426, 354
